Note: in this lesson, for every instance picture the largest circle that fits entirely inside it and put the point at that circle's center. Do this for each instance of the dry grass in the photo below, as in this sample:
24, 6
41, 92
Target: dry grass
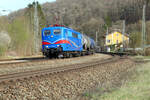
138, 88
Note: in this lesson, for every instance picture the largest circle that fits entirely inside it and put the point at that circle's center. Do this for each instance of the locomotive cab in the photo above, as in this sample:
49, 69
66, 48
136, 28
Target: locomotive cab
51, 39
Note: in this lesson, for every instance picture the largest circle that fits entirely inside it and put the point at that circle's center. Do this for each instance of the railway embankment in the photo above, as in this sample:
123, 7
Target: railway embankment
69, 84
135, 86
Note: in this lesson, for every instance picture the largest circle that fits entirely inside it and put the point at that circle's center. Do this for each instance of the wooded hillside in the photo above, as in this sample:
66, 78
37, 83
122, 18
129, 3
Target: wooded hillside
86, 16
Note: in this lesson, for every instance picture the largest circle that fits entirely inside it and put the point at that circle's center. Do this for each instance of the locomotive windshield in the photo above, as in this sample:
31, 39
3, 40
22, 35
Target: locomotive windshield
47, 32
57, 31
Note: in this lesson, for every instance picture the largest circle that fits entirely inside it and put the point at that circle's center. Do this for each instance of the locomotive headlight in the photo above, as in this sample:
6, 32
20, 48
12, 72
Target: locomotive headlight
46, 46
58, 45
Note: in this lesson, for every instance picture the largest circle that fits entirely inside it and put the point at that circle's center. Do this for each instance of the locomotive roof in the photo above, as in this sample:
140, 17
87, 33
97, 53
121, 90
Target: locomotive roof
60, 26
63, 26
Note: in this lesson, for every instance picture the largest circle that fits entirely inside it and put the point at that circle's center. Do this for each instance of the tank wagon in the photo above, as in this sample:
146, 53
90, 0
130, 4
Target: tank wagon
61, 41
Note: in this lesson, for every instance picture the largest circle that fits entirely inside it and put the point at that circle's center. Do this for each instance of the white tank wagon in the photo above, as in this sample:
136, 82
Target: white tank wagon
88, 43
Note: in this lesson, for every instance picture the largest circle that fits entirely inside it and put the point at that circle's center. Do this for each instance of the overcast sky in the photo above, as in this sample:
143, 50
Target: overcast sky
13, 5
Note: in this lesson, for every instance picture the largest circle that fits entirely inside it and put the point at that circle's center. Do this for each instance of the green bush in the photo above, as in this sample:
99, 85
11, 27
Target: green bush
2, 50
147, 52
135, 39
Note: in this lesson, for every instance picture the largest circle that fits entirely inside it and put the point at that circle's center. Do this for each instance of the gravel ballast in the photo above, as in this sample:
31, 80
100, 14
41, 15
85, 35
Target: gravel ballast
66, 85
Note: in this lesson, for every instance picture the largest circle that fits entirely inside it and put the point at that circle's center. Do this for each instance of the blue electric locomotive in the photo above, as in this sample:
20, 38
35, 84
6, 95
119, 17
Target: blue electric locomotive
60, 41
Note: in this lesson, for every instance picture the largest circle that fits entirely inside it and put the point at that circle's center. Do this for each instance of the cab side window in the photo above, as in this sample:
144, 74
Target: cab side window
75, 35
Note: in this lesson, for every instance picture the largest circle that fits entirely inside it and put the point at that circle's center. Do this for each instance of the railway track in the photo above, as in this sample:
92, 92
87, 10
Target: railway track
25, 60
21, 60
47, 71
29, 61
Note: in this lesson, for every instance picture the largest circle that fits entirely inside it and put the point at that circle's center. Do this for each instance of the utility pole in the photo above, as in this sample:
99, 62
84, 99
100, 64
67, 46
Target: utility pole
96, 38
36, 29
108, 49
123, 33
62, 16
143, 28
106, 34
56, 18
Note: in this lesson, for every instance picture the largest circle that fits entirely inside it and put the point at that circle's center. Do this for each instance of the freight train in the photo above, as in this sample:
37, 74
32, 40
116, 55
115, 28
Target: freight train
60, 41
